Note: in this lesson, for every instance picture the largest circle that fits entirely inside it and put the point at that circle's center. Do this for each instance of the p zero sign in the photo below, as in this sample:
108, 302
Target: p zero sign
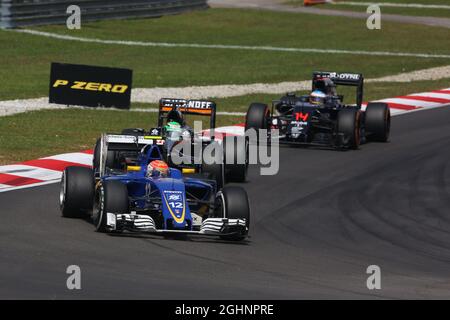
90, 86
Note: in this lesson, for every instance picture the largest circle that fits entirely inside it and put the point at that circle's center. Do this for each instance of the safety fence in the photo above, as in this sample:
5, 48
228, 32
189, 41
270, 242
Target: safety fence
19, 13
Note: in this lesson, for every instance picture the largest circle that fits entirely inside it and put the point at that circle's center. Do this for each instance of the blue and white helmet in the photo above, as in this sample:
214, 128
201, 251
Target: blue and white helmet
317, 97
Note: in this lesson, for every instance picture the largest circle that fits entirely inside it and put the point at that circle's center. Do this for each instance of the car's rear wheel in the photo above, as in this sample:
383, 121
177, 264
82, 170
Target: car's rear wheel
76, 192
349, 127
378, 121
216, 172
214, 168
236, 164
234, 204
258, 117
111, 196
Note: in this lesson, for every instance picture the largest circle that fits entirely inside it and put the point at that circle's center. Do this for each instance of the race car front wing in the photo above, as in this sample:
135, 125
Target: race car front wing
145, 224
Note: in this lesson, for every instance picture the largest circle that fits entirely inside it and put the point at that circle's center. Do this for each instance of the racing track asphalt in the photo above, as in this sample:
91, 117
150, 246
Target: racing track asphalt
316, 227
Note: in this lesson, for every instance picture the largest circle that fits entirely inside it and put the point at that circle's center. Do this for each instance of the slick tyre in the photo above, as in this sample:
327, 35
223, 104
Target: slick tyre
258, 117
111, 196
349, 126
216, 172
234, 204
378, 122
76, 192
216, 169
236, 154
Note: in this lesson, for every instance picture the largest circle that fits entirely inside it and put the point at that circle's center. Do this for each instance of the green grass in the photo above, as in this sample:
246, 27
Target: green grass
425, 12
25, 61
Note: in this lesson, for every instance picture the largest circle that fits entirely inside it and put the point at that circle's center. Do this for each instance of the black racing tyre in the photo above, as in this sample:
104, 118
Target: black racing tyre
216, 170
235, 205
378, 121
111, 196
258, 117
133, 132
96, 157
349, 124
111, 158
237, 166
76, 196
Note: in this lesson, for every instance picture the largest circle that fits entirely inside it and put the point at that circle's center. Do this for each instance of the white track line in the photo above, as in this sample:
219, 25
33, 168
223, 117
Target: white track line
394, 5
233, 47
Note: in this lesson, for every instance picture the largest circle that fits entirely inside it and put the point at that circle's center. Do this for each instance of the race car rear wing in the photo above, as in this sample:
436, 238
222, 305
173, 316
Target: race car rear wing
116, 142
345, 79
193, 107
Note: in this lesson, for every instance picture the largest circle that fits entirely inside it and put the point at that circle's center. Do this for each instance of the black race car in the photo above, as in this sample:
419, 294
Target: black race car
173, 129
328, 122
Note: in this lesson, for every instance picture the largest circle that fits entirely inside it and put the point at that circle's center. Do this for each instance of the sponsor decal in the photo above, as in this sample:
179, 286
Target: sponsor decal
154, 132
195, 104
339, 76
176, 205
90, 86
299, 123
301, 116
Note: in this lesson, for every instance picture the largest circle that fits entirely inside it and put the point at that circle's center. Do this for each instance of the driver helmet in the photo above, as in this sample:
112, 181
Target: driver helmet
157, 168
175, 115
317, 97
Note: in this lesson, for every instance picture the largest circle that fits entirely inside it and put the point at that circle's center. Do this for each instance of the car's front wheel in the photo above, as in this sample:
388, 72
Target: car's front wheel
111, 196
233, 204
76, 192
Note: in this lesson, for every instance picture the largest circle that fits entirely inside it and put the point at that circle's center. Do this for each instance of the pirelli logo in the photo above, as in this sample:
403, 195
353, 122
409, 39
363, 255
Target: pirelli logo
91, 86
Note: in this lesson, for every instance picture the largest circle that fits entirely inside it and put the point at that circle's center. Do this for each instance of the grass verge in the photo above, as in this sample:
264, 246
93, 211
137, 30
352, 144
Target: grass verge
25, 61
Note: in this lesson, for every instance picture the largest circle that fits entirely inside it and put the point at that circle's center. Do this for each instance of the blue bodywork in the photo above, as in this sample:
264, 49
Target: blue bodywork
169, 200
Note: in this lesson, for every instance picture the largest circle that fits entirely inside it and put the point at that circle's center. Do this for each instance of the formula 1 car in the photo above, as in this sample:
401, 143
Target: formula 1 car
173, 112
327, 123
134, 199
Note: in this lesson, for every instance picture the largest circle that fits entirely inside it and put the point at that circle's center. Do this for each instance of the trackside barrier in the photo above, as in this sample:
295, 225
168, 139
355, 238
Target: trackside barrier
20, 13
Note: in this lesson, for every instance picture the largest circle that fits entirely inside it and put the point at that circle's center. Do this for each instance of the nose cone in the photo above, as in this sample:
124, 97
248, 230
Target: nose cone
175, 207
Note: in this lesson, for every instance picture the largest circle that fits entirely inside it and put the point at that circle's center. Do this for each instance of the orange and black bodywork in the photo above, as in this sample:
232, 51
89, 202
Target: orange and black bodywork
186, 107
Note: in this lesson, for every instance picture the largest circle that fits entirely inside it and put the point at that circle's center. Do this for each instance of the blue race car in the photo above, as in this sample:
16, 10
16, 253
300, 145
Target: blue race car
150, 197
